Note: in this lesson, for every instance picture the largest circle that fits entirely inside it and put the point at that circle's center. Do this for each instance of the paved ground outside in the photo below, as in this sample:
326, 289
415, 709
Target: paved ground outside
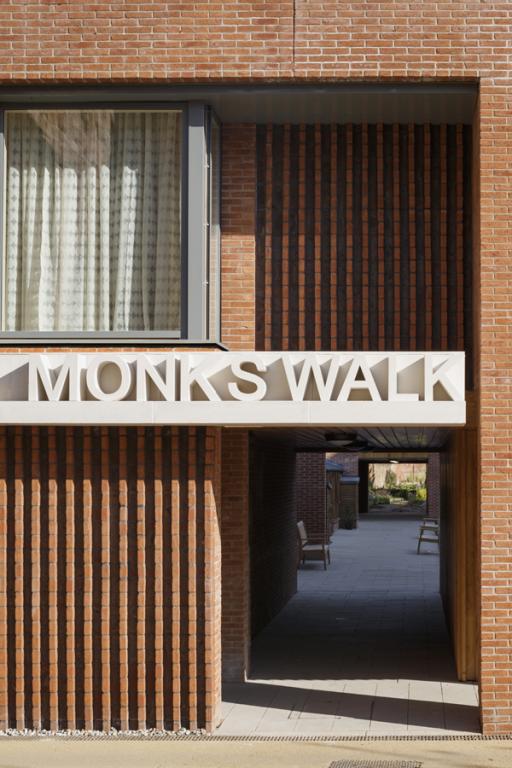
362, 649
65, 753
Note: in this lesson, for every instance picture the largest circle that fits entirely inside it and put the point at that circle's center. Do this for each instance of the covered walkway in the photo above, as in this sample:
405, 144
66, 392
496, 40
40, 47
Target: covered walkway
362, 648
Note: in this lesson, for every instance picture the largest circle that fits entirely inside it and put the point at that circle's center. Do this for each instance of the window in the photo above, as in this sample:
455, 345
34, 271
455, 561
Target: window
104, 222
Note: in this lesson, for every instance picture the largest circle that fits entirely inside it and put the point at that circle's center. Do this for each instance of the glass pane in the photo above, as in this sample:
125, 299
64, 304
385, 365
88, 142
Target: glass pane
93, 221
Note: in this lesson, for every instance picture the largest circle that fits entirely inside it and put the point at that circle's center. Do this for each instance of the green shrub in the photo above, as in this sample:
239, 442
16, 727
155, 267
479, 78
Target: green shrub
421, 494
382, 499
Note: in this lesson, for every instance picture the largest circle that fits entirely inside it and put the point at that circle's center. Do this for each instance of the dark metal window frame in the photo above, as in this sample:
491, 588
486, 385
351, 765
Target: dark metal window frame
194, 228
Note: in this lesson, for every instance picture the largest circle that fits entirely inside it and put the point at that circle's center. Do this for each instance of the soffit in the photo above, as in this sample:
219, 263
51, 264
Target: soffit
278, 103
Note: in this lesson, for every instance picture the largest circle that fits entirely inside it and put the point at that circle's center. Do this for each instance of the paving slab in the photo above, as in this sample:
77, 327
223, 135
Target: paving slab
362, 648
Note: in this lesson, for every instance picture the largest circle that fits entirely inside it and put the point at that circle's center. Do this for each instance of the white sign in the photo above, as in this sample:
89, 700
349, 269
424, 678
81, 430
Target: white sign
234, 388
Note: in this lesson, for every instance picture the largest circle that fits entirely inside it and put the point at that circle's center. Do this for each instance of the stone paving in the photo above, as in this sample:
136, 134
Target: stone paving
362, 648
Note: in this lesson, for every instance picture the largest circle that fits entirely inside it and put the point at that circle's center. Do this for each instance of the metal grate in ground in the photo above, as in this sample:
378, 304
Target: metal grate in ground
375, 764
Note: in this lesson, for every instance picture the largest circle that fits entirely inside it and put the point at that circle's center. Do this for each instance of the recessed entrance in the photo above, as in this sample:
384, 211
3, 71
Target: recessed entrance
362, 647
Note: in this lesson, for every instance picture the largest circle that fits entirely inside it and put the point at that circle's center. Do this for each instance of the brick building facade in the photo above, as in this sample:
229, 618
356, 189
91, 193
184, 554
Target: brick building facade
387, 230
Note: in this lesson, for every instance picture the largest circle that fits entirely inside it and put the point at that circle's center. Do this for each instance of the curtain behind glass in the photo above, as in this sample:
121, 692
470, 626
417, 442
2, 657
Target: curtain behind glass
93, 221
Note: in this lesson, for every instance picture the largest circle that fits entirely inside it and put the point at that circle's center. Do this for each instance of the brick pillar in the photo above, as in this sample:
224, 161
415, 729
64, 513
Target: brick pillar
311, 493
235, 555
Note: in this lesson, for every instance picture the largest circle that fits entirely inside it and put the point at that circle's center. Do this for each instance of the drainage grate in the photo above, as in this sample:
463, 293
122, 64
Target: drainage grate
375, 764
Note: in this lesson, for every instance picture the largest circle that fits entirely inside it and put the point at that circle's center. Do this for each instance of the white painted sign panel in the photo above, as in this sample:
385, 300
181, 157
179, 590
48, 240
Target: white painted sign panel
234, 388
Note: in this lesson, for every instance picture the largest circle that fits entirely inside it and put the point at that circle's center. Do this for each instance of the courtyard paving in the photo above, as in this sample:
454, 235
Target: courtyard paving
361, 649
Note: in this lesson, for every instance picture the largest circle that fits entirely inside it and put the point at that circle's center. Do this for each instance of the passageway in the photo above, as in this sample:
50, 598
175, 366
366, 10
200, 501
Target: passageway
362, 648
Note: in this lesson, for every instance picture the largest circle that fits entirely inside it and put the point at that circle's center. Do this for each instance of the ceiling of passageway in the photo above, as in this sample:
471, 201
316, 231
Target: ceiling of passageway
378, 438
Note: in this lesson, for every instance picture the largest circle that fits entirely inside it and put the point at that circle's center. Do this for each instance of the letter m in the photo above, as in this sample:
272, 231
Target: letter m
43, 380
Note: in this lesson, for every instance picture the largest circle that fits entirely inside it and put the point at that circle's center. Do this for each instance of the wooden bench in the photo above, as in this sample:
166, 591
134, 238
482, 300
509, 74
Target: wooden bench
312, 550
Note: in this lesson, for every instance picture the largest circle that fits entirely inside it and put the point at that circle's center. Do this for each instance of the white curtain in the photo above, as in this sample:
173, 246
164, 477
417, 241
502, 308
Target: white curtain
93, 221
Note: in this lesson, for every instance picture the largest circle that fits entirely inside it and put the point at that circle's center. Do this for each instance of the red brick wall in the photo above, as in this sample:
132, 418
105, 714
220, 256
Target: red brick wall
169, 42
109, 578
273, 531
238, 236
370, 251
311, 494
235, 555
349, 462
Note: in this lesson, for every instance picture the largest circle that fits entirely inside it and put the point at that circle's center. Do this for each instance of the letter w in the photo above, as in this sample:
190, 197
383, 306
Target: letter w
298, 385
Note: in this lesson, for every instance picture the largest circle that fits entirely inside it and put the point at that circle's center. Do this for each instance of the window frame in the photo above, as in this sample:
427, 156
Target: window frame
195, 117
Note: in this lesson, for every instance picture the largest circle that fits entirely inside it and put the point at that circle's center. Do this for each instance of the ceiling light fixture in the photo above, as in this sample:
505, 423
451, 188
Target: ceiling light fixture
349, 441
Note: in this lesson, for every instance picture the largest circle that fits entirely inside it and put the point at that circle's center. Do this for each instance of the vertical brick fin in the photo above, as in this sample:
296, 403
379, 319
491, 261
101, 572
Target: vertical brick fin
301, 255
341, 236
10, 580
429, 309
443, 193
53, 660
373, 224
371, 227
114, 629
88, 582
191, 593
388, 185
175, 633
150, 591
109, 578
293, 240
435, 231
158, 570
78, 470
412, 252
44, 550
184, 566
70, 572
357, 237
35, 545
309, 307
100, 718
285, 233
212, 573
27, 579
19, 578
132, 578
61, 549
103, 609
419, 206
140, 555
201, 554
365, 214
168, 585
277, 237
325, 236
